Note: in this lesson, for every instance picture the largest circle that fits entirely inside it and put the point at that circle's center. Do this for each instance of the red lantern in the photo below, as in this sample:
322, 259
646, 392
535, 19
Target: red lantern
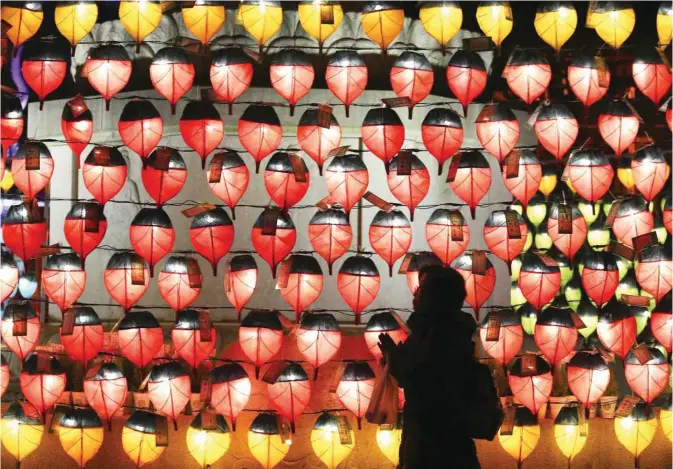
140, 127
285, 186
532, 390
654, 271
382, 323
169, 389
44, 68
651, 74
539, 279
528, 74
383, 133
478, 284
661, 323
260, 337
108, 68
505, 233
411, 76
466, 75
104, 173
9, 275
355, 388
472, 178
230, 74
126, 278
11, 122
291, 393
633, 219
567, 228
584, 81
497, 130
4, 375
510, 338
600, 276
618, 126
140, 337
84, 339
192, 343
417, 262
180, 282
447, 234
233, 178
171, 73
164, 174
648, 379
347, 180
442, 134
212, 235
590, 174
259, 131
273, 236
522, 174
330, 234
152, 235
63, 279
346, 76
555, 334
390, 236
32, 167
21, 344
292, 75
24, 229
556, 128
201, 128
318, 339
316, 141
409, 181
617, 328
358, 283
588, 376
84, 227
240, 281
105, 389
303, 284
650, 171
42, 381
76, 126
231, 390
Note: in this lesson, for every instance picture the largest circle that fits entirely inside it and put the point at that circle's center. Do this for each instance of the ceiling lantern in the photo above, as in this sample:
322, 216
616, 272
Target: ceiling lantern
555, 23
409, 181
9, 275
411, 76
600, 276
531, 387
617, 328
261, 19
273, 236
240, 280
588, 376
654, 270
303, 284
650, 171
212, 235
647, 380
320, 19
555, 334
326, 441
259, 131
208, 445
104, 173
11, 122
164, 174
201, 128
346, 76
260, 337
528, 74
24, 230
505, 233
613, 22
587, 80
382, 323
21, 425
390, 236
84, 227
105, 389
180, 282
81, 434
108, 69
24, 21
203, 19
285, 185
140, 18
567, 228
389, 441
316, 141
169, 389
442, 134
76, 126
556, 128
510, 339
355, 388
19, 316
44, 68
618, 126
232, 181
522, 174
139, 439
661, 323
32, 168
318, 339
495, 20
466, 76
152, 235
652, 75
126, 278
382, 22
524, 438
383, 133
358, 283
497, 130
231, 390
590, 174
230, 73
569, 438
441, 20
265, 441
347, 180
478, 284
75, 20
172, 74
633, 219
63, 279
471, 178
330, 234
636, 431
291, 393
418, 262
292, 75
42, 381
140, 337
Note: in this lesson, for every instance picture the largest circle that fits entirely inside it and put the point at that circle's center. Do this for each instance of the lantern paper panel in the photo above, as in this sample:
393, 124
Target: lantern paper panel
207, 446
231, 390
84, 227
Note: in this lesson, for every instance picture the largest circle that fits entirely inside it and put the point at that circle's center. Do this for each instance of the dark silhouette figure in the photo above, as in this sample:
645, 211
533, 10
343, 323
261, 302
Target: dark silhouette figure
433, 367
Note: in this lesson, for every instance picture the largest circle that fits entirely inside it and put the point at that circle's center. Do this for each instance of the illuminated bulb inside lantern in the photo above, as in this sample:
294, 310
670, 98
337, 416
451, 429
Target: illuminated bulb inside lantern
563, 12
13, 425
614, 15
445, 11
142, 4
201, 437
495, 13
377, 7
262, 6
627, 422
385, 437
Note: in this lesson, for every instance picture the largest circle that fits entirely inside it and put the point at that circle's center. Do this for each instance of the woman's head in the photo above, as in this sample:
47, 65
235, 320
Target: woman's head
439, 289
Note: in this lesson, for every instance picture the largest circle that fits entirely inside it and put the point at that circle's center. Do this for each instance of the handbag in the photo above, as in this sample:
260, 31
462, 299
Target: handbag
384, 403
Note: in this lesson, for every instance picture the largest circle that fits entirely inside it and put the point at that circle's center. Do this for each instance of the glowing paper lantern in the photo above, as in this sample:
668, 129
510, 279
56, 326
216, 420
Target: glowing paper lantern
43, 67
104, 173
20, 311
126, 278
618, 126
265, 442
169, 389
411, 76
588, 376
24, 21
171, 73
316, 141
600, 276
74, 20
260, 337
499, 240
556, 128
152, 235
648, 379
108, 69
164, 174
330, 234
650, 171
510, 339
207, 446
274, 238
636, 431
180, 282
21, 426
651, 75
139, 438
347, 180
355, 388
259, 131
24, 230
590, 174
233, 178
105, 389
291, 393
77, 127
417, 262
633, 219
627, 285
382, 22
442, 133
666, 419
327, 443
532, 390
212, 234
495, 20
389, 442
358, 283
567, 432
497, 130
524, 184
201, 128
617, 328
84, 227
613, 22
661, 323
555, 22
240, 281
204, 19
261, 19
466, 76
441, 20
140, 18
410, 189
528, 74
311, 19
230, 73
346, 76
583, 79
664, 23
63, 279
32, 168
140, 337
567, 243
479, 285
555, 334
383, 133
447, 234
318, 339
85, 339
654, 271
285, 186
9, 275
390, 236
382, 323
11, 122
231, 390
303, 284
81, 434
42, 381
292, 75
524, 438
472, 178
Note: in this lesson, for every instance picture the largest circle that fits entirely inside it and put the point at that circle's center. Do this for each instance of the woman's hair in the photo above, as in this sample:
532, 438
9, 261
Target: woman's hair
440, 289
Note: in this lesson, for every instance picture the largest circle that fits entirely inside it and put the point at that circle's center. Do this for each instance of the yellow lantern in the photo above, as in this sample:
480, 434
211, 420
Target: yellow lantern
208, 445
528, 318
598, 235
516, 266
613, 21
570, 437
665, 23
7, 180
543, 241
555, 22
21, 430
589, 211
24, 21
382, 22
441, 20
642, 314
140, 18
536, 211
204, 19
666, 418
636, 431
326, 441
389, 439
81, 434
320, 19
261, 19
625, 175
525, 435
139, 438
75, 20
588, 313
495, 20
515, 296
265, 442
548, 181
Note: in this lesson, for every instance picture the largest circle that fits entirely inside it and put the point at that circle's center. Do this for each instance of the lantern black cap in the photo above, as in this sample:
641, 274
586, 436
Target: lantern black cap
524, 417
85, 316
227, 373
394, 218
370, 7
423, 259
180, 265
531, 262
568, 415
464, 262
280, 161
23, 412
381, 116
588, 158
152, 216
442, 216
115, 157
549, 7
292, 372
326, 422
282, 222
167, 371
16, 307
357, 371
346, 163
142, 421
138, 109
635, 204
508, 317
230, 56
656, 253
527, 57
302, 264
382, 322
23, 213
346, 58
260, 318
125, 260
261, 114
443, 117
171, 55
495, 113
287, 57
30, 365
588, 360
215, 217
40, 148
600, 260
467, 59
64, 261
642, 412
266, 424
108, 52
80, 418
310, 117
412, 60
79, 211
658, 358
319, 322
138, 320
359, 265
242, 262
198, 110
106, 371
188, 319
231, 159
332, 216
499, 218
555, 316
541, 364
175, 160
10, 106
416, 163
220, 424
614, 311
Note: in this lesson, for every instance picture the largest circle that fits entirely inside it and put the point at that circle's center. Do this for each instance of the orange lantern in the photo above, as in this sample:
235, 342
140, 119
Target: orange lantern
273, 236
510, 338
231, 390
447, 234
233, 179
411, 76
466, 75
282, 181
330, 234
260, 337
617, 328
32, 168
383, 133
104, 173
661, 323
140, 337
152, 235
316, 141
169, 389
654, 271
555, 334
108, 69
230, 74
292, 75
382, 323
19, 316
192, 341
347, 180
390, 236
651, 74
470, 178
600, 276
164, 174
240, 281
140, 127
24, 229
442, 134
588, 376
84, 338
44, 67
567, 227
650, 171
42, 381
556, 128
505, 233
259, 131
303, 284
587, 80
212, 234
528, 74
522, 174
355, 388
81, 434
180, 282
201, 128
409, 181
497, 130
63, 279
590, 174
318, 339
531, 387
618, 126
647, 380
358, 283
172, 75
291, 393
633, 219
346, 76
105, 389
479, 284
